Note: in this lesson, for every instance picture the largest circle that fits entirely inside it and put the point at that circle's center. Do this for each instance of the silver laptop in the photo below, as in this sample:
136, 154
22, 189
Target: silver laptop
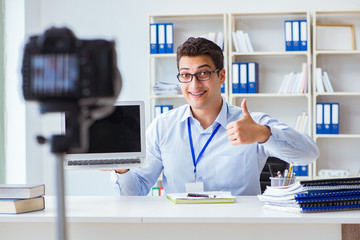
116, 142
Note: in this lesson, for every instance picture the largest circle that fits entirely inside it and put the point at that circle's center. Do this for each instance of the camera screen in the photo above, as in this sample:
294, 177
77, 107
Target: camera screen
54, 74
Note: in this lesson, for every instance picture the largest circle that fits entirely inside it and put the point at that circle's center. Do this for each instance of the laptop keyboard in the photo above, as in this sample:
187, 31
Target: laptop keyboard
103, 162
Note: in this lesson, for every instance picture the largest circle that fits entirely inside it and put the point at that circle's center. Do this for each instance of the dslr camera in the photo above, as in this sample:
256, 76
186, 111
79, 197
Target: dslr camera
77, 77
58, 66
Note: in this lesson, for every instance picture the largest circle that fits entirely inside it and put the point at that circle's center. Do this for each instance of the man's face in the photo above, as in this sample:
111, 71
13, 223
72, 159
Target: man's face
201, 94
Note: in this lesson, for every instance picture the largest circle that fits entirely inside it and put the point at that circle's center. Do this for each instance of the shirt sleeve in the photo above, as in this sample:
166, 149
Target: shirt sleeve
138, 182
287, 143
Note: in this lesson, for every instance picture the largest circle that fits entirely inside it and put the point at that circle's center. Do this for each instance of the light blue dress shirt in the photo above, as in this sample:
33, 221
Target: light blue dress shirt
222, 167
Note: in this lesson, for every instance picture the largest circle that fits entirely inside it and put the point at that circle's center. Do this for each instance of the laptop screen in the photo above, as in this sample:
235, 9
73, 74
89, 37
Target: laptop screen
115, 140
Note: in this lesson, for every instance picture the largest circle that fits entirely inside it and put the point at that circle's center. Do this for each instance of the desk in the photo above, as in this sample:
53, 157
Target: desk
108, 218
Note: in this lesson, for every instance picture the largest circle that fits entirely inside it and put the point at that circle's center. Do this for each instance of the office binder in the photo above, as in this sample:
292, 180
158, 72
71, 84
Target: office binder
253, 77
303, 35
295, 35
153, 38
319, 118
235, 78
335, 118
288, 36
169, 37
157, 110
223, 88
304, 172
161, 38
243, 77
327, 118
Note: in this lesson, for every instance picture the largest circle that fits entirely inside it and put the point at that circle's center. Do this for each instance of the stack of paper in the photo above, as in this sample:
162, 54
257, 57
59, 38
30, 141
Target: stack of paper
165, 88
209, 197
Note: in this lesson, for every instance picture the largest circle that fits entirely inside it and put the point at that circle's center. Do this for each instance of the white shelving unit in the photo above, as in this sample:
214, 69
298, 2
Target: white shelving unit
267, 35
163, 67
339, 151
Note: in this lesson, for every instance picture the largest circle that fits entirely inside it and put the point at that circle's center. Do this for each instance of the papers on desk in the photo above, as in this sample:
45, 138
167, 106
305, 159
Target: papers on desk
165, 88
314, 195
211, 197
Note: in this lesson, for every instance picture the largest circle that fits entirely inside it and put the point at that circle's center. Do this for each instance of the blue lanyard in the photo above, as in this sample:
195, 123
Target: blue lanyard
196, 160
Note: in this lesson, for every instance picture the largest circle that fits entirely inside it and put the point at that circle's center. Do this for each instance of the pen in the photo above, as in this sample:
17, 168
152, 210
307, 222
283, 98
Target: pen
201, 195
271, 172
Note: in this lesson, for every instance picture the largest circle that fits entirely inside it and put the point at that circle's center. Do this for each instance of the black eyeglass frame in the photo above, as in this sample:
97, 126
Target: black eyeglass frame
196, 75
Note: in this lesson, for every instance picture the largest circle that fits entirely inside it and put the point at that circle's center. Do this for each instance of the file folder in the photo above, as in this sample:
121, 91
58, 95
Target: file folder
169, 38
223, 88
303, 35
235, 78
253, 85
153, 38
157, 111
327, 118
295, 35
288, 36
243, 77
335, 118
319, 118
161, 38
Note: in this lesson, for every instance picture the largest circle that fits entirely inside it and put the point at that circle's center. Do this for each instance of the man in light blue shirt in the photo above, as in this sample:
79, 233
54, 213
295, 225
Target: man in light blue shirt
209, 140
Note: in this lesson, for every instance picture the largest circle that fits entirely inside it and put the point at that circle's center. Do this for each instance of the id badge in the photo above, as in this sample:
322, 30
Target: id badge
194, 187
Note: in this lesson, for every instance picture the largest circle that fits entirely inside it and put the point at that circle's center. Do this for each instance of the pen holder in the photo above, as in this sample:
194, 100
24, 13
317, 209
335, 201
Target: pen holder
281, 181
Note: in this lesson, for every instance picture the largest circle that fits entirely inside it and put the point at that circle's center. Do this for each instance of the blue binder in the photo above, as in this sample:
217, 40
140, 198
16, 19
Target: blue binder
235, 78
169, 37
296, 35
288, 35
223, 88
327, 118
253, 77
161, 38
335, 118
243, 70
303, 35
304, 171
319, 118
153, 38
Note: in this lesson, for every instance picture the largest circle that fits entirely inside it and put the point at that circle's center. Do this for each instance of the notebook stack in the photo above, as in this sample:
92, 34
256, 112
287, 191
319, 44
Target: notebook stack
314, 195
21, 198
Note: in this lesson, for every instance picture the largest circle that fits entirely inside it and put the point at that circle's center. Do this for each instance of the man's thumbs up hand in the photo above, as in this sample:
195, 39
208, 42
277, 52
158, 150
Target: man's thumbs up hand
246, 130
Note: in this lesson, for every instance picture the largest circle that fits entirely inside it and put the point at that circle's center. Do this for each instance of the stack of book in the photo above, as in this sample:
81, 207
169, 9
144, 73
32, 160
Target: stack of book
323, 83
216, 37
295, 82
21, 198
242, 42
314, 195
166, 88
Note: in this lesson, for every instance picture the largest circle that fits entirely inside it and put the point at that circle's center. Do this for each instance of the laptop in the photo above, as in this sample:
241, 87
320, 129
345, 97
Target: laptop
115, 142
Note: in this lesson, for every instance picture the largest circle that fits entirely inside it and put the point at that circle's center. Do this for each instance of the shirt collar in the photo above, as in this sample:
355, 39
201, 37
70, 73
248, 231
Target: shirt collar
221, 118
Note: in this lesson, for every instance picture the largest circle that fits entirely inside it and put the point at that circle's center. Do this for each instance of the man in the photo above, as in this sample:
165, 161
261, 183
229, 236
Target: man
210, 143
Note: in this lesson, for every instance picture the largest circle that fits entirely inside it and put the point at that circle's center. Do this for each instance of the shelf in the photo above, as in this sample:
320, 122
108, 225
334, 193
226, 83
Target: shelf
265, 95
317, 136
164, 55
337, 52
337, 94
166, 96
280, 53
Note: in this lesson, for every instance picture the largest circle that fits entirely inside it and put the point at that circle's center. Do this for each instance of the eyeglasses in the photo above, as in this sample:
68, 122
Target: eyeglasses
200, 76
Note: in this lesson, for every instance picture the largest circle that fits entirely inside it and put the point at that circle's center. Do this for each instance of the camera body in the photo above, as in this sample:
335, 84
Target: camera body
58, 66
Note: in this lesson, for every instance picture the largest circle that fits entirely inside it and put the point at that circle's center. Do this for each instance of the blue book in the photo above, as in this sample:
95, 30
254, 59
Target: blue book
335, 118
288, 35
296, 35
253, 77
235, 78
319, 118
161, 38
169, 29
243, 72
303, 35
327, 118
153, 38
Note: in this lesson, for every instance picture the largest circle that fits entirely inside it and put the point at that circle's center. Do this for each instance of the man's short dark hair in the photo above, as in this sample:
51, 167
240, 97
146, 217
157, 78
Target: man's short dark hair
201, 46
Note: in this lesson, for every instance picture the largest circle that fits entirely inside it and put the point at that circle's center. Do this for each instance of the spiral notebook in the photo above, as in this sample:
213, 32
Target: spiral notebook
314, 195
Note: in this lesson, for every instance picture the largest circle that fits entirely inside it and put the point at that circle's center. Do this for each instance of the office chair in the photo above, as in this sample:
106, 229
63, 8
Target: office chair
276, 165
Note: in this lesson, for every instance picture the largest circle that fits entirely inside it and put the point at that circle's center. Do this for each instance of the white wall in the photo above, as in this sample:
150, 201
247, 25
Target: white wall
126, 23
